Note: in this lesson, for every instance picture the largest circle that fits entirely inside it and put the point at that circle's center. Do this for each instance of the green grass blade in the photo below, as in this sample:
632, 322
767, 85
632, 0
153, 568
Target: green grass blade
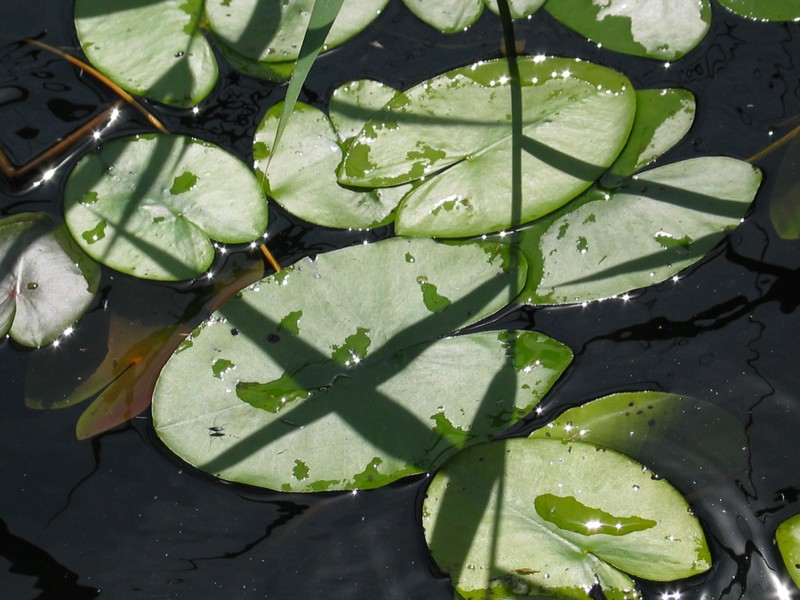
323, 15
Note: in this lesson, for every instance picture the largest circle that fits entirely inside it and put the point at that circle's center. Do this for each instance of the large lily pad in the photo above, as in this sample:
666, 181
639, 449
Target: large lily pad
663, 29
46, 281
453, 133
272, 30
301, 175
669, 217
154, 49
770, 10
787, 537
333, 374
548, 518
150, 205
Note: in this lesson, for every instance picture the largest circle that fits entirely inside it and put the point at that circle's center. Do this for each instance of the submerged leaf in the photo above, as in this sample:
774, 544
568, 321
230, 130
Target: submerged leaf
46, 280
452, 135
153, 49
669, 217
150, 205
550, 518
681, 438
663, 29
340, 363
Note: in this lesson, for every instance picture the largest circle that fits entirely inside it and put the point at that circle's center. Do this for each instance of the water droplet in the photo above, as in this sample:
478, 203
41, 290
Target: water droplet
180, 54
32, 285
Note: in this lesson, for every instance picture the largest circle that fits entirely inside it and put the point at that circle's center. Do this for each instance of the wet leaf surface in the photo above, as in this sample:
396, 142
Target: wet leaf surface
340, 369
552, 518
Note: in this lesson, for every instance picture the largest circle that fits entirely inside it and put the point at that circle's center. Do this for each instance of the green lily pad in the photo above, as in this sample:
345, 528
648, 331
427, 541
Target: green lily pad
452, 16
769, 10
518, 8
453, 136
273, 30
448, 16
663, 117
334, 373
787, 537
549, 518
669, 217
681, 438
150, 205
301, 176
46, 281
662, 29
153, 49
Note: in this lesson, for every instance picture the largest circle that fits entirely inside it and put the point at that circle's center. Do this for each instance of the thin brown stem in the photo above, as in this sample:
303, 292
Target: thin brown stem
270, 259
12, 172
103, 79
774, 145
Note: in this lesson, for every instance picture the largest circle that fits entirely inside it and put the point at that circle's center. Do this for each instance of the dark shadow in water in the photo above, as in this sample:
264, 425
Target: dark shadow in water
55, 580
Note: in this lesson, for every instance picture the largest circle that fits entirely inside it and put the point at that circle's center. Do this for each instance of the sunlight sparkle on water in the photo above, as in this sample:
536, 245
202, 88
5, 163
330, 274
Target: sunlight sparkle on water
781, 591
671, 595
593, 525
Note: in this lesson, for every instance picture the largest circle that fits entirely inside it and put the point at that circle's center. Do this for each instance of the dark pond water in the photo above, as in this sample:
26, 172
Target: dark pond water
120, 517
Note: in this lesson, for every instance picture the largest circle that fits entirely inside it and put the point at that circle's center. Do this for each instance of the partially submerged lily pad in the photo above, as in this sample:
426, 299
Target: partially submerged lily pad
334, 373
150, 205
154, 49
549, 518
452, 135
662, 29
46, 281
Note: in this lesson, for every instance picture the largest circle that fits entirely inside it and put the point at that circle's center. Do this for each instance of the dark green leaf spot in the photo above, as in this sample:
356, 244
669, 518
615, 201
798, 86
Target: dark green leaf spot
96, 234
183, 183
221, 366
571, 515
433, 300
354, 349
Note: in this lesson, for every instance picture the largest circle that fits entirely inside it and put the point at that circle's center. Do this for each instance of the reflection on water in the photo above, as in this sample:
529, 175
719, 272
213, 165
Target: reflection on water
121, 514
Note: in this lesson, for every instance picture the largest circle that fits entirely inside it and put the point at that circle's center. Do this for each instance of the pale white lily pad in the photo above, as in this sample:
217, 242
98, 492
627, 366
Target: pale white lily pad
662, 29
608, 242
154, 49
150, 205
549, 518
301, 176
453, 133
46, 280
273, 30
334, 373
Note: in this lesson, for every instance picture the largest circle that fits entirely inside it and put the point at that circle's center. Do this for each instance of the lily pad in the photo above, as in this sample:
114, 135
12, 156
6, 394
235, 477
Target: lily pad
787, 537
549, 518
669, 218
46, 281
301, 176
452, 16
662, 29
663, 117
681, 438
334, 373
154, 49
448, 16
769, 10
272, 30
150, 205
453, 133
